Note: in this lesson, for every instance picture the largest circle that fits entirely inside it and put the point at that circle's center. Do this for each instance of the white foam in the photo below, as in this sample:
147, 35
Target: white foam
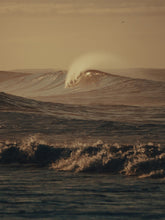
100, 61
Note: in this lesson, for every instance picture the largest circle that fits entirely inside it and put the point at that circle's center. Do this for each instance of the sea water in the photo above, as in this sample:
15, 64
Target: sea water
40, 193
96, 151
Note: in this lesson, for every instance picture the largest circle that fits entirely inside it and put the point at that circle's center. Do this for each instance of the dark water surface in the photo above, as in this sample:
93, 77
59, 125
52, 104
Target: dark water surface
32, 193
96, 150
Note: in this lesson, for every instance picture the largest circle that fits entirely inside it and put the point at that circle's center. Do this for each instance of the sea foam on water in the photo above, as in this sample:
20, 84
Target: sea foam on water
142, 160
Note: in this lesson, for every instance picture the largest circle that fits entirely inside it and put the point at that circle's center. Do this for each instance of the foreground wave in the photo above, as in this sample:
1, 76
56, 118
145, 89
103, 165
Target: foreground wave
142, 160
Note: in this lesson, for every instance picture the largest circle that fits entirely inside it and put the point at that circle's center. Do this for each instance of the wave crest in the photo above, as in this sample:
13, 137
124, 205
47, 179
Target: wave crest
94, 61
142, 160
89, 76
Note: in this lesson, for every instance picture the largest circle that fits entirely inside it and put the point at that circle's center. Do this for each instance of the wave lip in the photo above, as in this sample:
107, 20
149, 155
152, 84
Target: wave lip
87, 76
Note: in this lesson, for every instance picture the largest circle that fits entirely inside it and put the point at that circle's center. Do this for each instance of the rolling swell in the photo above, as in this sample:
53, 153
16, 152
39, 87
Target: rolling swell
113, 88
143, 160
89, 87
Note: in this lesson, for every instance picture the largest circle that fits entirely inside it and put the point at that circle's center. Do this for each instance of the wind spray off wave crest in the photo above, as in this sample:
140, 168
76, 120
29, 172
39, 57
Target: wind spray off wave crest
102, 62
91, 66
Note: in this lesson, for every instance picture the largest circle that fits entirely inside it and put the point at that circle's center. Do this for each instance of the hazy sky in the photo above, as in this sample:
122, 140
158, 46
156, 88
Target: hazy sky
52, 33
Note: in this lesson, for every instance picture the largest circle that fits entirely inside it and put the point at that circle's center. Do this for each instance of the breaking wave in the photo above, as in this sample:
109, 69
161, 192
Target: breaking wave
88, 77
141, 160
92, 65
89, 83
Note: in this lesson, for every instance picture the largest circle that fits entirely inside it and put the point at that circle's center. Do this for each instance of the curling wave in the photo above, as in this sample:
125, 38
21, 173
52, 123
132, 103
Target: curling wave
90, 85
90, 76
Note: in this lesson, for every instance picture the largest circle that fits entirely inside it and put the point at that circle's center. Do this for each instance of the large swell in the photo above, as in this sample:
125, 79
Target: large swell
118, 87
141, 160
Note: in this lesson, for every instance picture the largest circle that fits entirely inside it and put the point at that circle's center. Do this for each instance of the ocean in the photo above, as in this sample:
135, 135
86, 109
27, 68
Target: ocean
41, 193
89, 145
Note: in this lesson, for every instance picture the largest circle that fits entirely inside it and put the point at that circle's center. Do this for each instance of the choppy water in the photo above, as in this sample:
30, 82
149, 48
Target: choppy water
31, 193
96, 151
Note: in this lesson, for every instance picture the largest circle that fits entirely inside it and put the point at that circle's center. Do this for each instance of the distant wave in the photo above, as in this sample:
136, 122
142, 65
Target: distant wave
90, 86
91, 61
100, 63
87, 77
142, 160
91, 75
